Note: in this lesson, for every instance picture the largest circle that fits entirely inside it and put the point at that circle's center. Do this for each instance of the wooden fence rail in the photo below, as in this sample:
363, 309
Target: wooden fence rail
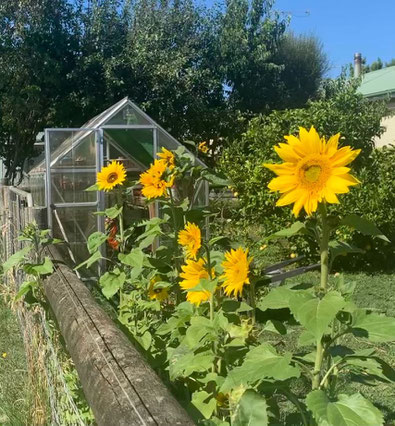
121, 388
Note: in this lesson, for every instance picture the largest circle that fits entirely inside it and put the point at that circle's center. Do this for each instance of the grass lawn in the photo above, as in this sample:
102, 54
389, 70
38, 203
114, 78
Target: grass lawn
14, 397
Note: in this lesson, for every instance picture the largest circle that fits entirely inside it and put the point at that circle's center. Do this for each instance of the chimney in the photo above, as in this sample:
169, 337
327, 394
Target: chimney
357, 65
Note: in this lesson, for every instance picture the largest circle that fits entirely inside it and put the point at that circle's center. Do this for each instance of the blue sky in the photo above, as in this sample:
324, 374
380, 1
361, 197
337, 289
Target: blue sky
346, 27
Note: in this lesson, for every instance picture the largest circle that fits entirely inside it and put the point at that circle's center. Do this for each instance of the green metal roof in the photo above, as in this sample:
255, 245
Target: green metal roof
378, 83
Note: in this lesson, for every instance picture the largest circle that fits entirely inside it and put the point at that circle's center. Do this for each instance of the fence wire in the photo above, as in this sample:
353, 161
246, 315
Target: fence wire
47, 361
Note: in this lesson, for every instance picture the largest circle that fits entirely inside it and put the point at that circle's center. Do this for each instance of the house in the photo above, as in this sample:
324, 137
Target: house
380, 84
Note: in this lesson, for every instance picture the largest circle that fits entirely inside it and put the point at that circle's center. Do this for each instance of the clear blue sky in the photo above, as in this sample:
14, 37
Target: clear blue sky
346, 27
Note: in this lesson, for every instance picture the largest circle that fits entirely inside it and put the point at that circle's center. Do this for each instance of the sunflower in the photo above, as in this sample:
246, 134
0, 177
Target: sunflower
157, 293
191, 238
313, 170
202, 147
192, 273
168, 157
154, 185
110, 176
236, 268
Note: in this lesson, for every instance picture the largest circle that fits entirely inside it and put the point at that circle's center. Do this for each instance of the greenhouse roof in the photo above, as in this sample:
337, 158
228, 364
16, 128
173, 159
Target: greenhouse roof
123, 114
378, 83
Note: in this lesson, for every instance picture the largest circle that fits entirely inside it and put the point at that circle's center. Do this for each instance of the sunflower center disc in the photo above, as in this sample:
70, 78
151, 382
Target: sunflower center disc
112, 177
312, 173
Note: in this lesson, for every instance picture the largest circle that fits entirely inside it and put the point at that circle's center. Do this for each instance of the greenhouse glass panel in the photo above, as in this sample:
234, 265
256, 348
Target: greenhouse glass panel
128, 116
73, 166
74, 225
167, 141
137, 144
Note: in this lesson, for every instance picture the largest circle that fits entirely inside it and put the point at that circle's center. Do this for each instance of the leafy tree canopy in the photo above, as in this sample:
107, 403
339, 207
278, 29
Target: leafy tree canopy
197, 71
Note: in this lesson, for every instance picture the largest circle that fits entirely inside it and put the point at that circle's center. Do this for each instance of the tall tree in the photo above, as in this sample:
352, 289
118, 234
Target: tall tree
250, 33
304, 65
36, 58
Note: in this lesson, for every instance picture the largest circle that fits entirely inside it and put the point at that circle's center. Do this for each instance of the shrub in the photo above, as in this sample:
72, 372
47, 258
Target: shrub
341, 109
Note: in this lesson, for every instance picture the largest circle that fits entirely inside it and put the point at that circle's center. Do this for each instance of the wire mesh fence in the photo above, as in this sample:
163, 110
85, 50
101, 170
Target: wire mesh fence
57, 395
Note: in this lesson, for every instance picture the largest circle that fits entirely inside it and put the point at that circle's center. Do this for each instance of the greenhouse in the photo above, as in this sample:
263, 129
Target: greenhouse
72, 157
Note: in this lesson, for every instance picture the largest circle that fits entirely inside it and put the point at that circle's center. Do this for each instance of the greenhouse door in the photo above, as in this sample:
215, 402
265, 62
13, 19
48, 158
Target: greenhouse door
73, 158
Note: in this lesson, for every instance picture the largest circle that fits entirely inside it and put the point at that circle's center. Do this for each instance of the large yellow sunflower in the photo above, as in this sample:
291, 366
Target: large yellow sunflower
191, 238
154, 185
192, 273
110, 176
314, 170
157, 293
168, 157
236, 267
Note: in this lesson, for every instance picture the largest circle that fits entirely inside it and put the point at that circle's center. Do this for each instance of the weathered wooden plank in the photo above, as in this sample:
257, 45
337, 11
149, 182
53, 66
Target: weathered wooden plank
121, 388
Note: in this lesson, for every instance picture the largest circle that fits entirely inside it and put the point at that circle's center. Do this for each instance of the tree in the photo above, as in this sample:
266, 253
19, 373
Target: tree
199, 72
304, 65
249, 36
377, 65
36, 56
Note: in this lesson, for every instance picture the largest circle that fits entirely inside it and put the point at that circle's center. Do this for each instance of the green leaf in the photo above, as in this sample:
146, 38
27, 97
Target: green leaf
295, 228
45, 268
306, 338
339, 248
199, 401
375, 327
278, 298
275, 327
94, 187
147, 241
244, 307
216, 240
199, 332
345, 288
215, 179
205, 284
183, 362
252, 410
111, 283
261, 362
135, 258
372, 366
89, 262
16, 258
113, 212
364, 226
316, 314
348, 410
144, 340
25, 287
95, 240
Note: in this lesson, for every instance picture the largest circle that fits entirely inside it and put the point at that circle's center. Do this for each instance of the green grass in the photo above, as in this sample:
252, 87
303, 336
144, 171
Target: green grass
14, 397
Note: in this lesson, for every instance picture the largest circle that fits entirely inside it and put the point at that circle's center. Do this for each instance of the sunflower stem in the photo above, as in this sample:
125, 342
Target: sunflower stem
253, 301
324, 249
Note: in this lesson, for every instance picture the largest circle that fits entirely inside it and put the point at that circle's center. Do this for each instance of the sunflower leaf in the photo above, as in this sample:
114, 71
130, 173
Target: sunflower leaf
316, 314
374, 327
295, 228
348, 410
252, 410
261, 362
364, 226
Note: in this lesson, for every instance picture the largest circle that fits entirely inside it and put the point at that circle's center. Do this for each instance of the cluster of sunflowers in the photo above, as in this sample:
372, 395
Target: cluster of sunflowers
157, 182
313, 172
236, 267
220, 355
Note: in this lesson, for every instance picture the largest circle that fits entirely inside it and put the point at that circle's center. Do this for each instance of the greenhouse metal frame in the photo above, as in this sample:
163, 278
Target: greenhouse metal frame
73, 156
